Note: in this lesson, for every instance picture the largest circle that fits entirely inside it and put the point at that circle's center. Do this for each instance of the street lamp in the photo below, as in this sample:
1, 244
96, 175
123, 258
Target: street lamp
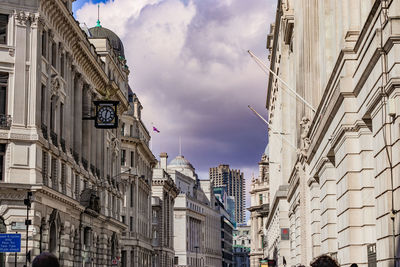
27, 202
196, 248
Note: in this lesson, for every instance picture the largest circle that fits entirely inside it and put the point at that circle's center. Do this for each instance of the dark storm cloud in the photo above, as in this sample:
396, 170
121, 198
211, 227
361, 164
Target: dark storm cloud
190, 69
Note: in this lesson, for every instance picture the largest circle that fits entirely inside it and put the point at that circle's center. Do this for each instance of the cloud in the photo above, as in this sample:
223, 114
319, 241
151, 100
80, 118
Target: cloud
191, 71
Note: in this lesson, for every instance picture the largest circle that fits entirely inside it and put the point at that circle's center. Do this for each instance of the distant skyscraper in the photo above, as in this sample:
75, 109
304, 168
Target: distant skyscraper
235, 186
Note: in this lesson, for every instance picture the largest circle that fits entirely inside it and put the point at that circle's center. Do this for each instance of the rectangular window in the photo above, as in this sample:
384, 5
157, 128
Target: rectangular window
54, 54
132, 158
3, 28
131, 224
131, 196
44, 44
123, 218
2, 156
261, 198
3, 93
54, 173
43, 104
61, 120
123, 157
52, 111
63, 178
62, 62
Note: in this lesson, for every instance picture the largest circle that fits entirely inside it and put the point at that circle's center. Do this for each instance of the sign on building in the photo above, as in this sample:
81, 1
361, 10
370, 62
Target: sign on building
10, 242
284, 233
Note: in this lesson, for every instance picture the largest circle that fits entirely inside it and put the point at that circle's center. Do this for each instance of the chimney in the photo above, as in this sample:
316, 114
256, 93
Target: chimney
163, 160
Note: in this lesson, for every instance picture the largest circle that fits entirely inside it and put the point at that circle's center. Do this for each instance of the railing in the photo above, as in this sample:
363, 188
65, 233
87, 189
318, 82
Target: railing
5, 121
54, 138
62, 142
93, 169
44, 131
84, 163
76, 156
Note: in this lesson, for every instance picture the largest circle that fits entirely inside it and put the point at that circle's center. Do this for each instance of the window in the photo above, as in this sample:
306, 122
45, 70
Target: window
2, 156
261, 198
123, 157
44, 44
54, 173
123, 129
61, 119
3, 93
43, 104
52, 112
131, 224
132, 158
54, 54
63, 179
62, 62
3, 28
131, 130
123, 219
131, 196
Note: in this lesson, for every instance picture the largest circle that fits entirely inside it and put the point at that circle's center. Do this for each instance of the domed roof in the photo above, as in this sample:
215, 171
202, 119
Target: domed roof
116, 43
180, 162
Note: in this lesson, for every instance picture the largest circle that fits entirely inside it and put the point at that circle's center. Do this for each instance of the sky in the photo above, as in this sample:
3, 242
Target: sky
192, 73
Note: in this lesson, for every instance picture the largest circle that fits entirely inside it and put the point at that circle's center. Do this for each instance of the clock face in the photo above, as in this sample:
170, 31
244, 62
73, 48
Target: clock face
106, 114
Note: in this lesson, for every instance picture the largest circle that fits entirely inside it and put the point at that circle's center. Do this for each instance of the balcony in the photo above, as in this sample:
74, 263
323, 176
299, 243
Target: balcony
44, 131
5, 121
76, 156
62, 142
54, 138
84, 163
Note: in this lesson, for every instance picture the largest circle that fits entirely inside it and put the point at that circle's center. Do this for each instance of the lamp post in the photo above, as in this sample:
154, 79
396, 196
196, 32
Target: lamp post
196, 248
27, 203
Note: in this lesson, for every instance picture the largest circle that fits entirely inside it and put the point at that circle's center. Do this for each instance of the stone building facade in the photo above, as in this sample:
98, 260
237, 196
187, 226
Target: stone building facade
242, 245
50, 72
233, 181
196, 223
164, 192
336, 169
259, 211
137, 162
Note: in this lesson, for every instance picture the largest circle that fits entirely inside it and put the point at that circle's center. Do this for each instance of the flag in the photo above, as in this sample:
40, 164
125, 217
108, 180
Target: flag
155, 129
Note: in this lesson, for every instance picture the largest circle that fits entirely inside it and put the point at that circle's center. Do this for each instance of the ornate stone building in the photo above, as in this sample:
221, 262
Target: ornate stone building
50, 72
259, 210
137, 162
164, 192
335, 158
196, 219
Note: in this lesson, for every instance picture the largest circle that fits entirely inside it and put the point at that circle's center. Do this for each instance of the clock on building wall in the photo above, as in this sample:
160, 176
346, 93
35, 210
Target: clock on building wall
106, 114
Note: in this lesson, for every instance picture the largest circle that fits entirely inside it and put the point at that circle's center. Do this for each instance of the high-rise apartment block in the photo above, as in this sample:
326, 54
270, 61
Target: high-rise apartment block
233, 180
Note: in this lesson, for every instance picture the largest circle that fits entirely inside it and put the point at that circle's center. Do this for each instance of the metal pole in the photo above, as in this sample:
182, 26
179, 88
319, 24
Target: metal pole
269, 126
27, 229
265, 68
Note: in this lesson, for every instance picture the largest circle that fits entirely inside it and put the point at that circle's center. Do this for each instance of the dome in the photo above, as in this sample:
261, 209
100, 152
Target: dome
116, 43
180, 162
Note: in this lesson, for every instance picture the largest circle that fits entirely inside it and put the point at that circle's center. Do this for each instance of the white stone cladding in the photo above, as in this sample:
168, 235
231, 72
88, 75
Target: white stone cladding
165, 190
342, 58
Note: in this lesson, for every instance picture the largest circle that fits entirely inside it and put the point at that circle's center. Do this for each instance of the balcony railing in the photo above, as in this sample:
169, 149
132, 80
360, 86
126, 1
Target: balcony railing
5, 121
62, 142
76, 156
54, 138
44, 131
84, 163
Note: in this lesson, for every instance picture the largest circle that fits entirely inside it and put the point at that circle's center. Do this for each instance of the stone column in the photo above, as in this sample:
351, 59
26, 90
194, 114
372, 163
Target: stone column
21, 78
315, 217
